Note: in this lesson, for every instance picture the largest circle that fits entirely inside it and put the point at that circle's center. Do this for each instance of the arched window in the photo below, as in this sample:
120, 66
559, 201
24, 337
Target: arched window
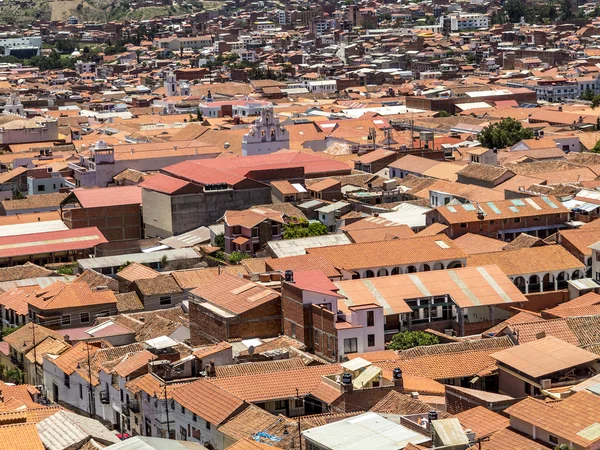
369, 274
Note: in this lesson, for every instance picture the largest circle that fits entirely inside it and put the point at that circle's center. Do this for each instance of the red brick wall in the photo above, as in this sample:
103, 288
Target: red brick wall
203, 326
264, 321
115, 222
544, 300
294, 313
324, 332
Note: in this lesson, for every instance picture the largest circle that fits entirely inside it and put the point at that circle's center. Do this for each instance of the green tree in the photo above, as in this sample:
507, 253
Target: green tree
15, 375
595, 101
588, 95
236, 257
566, 9
409, 339
8, 330
125, 264
504, 134
443, 113
220, 241
596, 148
302, 229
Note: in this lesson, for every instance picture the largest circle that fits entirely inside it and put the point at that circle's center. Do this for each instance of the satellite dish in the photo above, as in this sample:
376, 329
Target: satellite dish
251, 350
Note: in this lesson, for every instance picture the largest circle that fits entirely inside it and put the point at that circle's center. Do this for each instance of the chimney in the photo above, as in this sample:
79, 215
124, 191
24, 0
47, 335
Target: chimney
347, 382
398, 379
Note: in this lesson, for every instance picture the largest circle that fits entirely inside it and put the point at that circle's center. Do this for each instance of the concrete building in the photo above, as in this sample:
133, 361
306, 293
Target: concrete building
21, 47
23, 131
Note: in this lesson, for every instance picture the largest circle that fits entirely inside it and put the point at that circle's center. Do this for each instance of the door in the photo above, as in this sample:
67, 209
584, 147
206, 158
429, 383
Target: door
55, 393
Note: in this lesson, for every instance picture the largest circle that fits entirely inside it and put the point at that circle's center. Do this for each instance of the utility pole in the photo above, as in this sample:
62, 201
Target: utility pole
37, 383
299, 429
167, 410
92, 403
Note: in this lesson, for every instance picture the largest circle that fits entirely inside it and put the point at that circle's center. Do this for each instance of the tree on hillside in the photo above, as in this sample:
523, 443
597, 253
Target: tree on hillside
409, 339
504, 134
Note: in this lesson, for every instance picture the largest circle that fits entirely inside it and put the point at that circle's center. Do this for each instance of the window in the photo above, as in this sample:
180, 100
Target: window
350, 345
370, 318
194, 417
463, 225
80, 391
183, 433
237, 230
280, 404
84, 317
166, 300
207, 425
255, 232
298, 403
41, 188
196, 433
517, 219
122, 396
553, 439
294, 330
371, 340
66, 319
67, 381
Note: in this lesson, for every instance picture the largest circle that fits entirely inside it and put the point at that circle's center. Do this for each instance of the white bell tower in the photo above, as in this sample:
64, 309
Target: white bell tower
267, 135
171, 84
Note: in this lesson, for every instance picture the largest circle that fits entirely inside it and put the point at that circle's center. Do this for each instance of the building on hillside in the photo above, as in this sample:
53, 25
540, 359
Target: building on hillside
248, 231
442, 300
230, 307
504, 220
267, 135
116, 211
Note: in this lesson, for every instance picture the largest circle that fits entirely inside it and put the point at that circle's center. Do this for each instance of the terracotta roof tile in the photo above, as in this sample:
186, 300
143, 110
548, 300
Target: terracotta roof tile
581, 239
482, 421
128, 302
507, 438
133, 362
208, 401
93, 279
234, 294
60, 295
524, 240
136, 271
253, 368
247, 423
23, 436
528, 260
161, 284
249, 218
520, 317
528, 332
402, 404
473, 244
209, 350
249, 444
22, 339
380, 234
544, 356
192, 278
566, 418
150, 384
276, 385
302, 263
390, 253
24, 271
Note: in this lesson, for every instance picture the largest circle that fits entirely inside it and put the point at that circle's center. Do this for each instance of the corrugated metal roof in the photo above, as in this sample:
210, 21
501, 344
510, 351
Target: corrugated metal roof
142, 258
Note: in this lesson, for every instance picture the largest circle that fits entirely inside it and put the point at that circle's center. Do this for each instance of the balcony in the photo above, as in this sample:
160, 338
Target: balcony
134, 407
104, 397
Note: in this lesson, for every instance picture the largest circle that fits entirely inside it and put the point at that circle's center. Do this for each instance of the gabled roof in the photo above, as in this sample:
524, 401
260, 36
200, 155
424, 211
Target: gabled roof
22, 339
544, 357
52, 241
234, 295
136, 271
574, 419
110, 196
205, 399
482, 421
74, 295
22, 436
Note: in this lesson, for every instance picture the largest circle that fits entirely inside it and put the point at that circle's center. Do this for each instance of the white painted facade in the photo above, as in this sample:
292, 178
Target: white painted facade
266, 136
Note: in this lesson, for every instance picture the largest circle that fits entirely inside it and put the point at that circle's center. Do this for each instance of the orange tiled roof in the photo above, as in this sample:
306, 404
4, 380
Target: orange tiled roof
276, 385
390, 253
136, 271
23, 436
482, 421
566, 418
60, 295
247, 423
208, 401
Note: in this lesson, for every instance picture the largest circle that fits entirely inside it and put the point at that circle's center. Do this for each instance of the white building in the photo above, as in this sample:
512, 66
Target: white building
22, 131
467, 21
267, 135
17, 46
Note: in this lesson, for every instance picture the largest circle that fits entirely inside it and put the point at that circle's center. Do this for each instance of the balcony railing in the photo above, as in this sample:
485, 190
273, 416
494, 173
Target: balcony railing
133, 407
104, 397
